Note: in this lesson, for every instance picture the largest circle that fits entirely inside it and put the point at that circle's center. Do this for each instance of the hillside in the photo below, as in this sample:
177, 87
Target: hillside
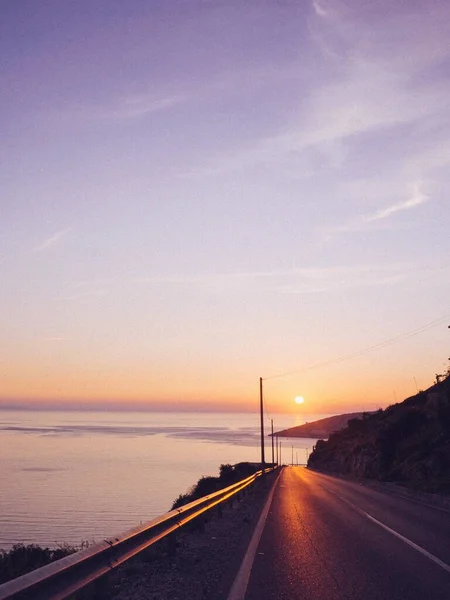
408, 442
321, 428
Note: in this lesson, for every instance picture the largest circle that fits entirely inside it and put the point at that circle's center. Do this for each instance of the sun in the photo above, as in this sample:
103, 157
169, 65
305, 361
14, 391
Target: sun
299, 400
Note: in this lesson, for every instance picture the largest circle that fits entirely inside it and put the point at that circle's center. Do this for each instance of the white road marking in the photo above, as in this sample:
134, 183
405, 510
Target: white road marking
441, 508
430, 556
240, 584
390, 492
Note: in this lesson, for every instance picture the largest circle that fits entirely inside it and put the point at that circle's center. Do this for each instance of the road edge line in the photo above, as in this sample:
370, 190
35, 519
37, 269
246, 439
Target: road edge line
404, 539
401, 537
239, 587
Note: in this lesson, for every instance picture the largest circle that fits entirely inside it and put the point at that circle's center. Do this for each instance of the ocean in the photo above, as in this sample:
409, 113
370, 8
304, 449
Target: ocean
69, 477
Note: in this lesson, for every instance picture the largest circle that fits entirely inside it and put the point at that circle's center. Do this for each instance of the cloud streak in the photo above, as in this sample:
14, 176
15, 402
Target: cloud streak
130, 107
232, 82
140, 105
418, 197
319, 9
294, 281
379, 219
52, 240
361, 86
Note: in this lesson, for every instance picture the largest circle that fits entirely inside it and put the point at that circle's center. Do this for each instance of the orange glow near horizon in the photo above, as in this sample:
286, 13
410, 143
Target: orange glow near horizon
174, 388
92, 376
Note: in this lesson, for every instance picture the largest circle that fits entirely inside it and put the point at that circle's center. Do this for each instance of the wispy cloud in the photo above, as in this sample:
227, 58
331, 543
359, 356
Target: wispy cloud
302, 280
137, 106
227, 82
362, 86
52, 240
418, 197
210, 279
378, 219
319, 9
130, 107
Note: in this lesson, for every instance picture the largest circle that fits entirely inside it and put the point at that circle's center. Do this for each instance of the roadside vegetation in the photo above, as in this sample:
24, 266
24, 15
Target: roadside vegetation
22, 559
228, 474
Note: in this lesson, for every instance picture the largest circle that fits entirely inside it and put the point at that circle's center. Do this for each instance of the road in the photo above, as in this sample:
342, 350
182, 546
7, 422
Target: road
329, 539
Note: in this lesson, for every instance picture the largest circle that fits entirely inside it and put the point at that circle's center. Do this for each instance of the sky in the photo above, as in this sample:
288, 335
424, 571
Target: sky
196, 194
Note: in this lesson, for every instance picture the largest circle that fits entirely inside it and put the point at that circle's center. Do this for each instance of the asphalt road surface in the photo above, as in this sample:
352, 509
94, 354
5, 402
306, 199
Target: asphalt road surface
330, 539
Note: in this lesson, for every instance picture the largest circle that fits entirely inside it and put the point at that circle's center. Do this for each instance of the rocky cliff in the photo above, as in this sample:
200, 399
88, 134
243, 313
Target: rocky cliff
408, 442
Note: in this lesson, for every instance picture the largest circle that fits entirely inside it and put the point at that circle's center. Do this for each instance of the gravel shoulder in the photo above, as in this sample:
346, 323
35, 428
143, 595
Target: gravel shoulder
206, 559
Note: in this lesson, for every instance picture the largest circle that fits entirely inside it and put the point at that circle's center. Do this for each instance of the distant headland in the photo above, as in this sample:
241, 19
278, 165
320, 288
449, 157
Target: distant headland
320, 429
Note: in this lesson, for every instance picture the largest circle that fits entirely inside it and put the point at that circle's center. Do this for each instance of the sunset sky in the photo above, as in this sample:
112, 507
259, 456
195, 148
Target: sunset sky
199, 193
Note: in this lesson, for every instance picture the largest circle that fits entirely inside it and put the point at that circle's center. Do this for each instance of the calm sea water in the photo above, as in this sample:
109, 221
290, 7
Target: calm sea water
68, 477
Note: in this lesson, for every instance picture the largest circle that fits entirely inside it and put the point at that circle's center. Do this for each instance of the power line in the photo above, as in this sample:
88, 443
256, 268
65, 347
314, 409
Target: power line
266, 410
346, 357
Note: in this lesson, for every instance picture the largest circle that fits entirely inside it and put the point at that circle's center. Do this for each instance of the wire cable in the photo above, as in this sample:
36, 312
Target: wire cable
346, 357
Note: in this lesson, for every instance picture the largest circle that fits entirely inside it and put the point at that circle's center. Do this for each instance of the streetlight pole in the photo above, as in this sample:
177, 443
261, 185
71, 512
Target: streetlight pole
273, 456
262, 422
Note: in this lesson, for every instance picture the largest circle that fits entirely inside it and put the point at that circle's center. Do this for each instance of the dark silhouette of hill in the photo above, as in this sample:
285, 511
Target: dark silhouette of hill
321, 428
407, 443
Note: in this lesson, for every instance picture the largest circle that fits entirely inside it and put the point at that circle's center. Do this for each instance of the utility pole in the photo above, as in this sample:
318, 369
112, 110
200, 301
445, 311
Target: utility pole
280, 452
276, 442
292, 459
273, 456
262, 422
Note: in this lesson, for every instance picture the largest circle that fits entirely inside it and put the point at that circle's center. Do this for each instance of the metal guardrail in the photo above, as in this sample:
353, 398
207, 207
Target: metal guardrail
63, 578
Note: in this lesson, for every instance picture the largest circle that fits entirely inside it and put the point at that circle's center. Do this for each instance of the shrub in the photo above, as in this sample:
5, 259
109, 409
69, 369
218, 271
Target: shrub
22, 559
229, 474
